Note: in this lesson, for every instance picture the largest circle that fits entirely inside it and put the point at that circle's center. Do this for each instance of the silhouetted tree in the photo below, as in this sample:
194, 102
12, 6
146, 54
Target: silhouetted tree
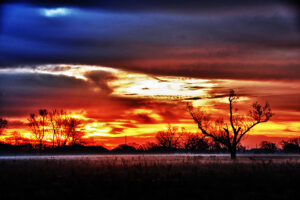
43, 114
268, 147
38, 125
169, 139
195, 142
59, 126
3, 124
231, 132
291, 146
72, 128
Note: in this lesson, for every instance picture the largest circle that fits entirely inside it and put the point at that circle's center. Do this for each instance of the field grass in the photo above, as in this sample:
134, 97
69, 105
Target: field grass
150, 177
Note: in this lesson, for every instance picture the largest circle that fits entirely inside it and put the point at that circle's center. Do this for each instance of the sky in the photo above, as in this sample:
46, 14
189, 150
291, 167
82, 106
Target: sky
129, 68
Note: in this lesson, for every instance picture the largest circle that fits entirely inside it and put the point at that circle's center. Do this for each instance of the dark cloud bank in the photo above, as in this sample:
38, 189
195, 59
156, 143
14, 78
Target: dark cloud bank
207, 39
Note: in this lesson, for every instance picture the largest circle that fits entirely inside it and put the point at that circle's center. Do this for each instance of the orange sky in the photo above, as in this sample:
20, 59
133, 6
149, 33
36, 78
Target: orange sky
115, 103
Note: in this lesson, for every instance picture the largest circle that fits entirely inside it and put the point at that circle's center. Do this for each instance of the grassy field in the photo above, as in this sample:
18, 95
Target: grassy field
150, 177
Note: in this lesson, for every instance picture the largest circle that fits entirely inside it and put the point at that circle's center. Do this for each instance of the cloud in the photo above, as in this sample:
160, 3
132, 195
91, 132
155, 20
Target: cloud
25, 93
101, 79
156, 5
235, 45
144, 119
99, 93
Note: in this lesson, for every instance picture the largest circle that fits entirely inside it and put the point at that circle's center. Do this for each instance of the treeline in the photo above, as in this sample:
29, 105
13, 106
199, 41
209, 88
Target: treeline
200, 146
172, 140
51, 130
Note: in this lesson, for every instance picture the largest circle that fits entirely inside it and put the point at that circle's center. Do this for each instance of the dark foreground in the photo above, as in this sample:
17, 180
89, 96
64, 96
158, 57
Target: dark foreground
150, 177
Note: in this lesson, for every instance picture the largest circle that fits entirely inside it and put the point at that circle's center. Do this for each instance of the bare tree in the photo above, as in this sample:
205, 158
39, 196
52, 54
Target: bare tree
268, 147
195, 142
3, 124
73, 132
38, 126
56, 125
291, 146
36, 130
43, 122
169, 139
229, 133
58, 122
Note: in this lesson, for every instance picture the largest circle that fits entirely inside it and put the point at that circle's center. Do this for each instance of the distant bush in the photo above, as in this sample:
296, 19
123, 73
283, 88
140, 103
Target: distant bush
268, 147
291, 146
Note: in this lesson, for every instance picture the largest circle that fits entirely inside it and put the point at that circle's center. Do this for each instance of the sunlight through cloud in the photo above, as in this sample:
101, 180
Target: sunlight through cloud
55, 12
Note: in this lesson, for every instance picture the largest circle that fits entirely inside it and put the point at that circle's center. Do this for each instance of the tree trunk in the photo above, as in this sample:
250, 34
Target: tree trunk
41, 144
233, 153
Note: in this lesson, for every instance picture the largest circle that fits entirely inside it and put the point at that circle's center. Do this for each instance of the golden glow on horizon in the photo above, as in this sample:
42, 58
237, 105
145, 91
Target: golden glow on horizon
96, 129
147, 132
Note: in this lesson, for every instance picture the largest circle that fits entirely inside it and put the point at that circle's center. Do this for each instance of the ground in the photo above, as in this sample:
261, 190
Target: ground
150, 177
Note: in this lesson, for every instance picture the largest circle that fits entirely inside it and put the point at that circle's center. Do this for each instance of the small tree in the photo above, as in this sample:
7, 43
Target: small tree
195, 142
37, 125
72, 128
43, 123
230, 133
169, 139
268, 147
291, 146
59, 127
